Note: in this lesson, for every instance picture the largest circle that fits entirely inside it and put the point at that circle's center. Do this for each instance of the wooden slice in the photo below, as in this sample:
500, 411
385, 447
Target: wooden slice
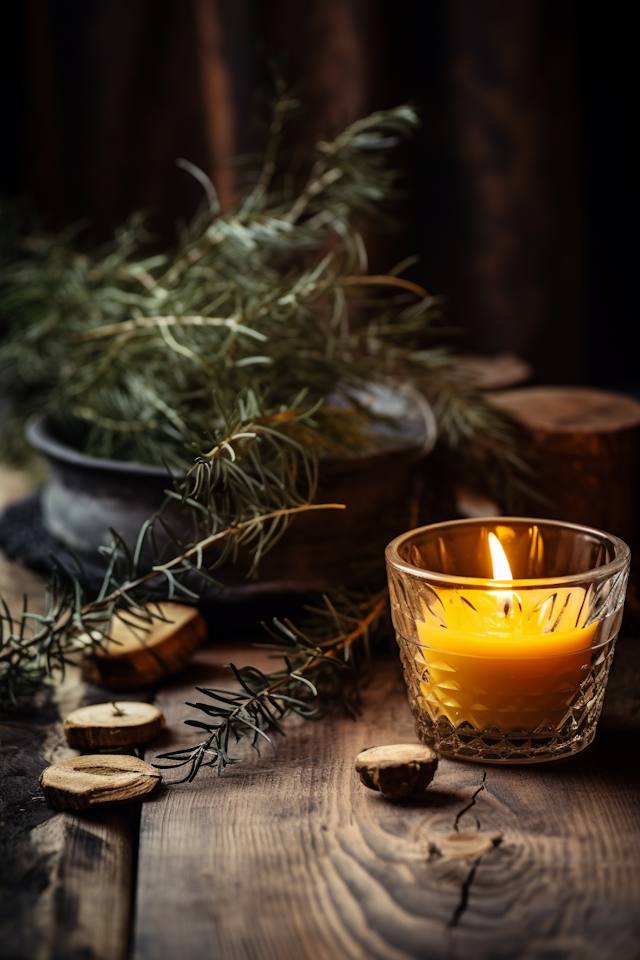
141, 654
399, 770
82, 782
106, 725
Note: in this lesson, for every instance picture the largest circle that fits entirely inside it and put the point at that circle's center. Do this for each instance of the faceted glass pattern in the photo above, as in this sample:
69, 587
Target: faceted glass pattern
510, 671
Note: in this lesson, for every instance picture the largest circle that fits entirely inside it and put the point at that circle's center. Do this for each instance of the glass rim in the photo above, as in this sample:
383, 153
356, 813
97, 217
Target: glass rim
620, 560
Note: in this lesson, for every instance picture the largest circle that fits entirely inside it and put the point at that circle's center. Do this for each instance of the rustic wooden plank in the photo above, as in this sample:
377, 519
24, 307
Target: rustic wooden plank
66, 879
291, 857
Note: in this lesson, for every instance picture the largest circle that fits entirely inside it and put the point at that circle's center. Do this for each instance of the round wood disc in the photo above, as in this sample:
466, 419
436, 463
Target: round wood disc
584, 445
82, 782
117, 724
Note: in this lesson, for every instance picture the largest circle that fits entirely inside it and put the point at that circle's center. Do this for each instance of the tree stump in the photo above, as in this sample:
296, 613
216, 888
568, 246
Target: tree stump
585, 445
496, 371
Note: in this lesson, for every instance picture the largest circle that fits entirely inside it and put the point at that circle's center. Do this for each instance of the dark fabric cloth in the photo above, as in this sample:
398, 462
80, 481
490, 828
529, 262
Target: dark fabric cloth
24, 537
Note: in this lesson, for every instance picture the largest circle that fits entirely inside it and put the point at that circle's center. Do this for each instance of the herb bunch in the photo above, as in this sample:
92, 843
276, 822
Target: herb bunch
142, 358
135, 357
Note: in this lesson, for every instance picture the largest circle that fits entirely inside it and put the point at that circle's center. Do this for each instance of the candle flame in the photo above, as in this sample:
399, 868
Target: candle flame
501, 568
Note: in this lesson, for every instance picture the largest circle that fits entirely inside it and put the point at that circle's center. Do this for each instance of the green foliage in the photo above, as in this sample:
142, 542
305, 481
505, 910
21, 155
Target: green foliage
139, 358
144, 358
34, 647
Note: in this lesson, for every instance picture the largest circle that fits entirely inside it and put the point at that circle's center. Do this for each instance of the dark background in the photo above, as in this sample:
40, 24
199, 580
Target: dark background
520, 181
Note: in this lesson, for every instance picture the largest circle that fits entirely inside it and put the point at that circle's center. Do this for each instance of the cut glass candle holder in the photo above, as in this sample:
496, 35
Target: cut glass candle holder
507, 664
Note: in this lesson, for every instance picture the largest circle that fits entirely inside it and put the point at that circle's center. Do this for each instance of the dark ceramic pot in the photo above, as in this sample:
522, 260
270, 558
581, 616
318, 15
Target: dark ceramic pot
85, 498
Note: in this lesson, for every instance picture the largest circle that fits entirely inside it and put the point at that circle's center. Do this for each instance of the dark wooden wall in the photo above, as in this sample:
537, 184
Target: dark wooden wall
518, 181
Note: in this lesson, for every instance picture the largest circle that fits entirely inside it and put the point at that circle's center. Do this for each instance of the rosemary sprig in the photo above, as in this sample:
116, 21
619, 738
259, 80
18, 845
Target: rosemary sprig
253, 516
69, 626
313, 664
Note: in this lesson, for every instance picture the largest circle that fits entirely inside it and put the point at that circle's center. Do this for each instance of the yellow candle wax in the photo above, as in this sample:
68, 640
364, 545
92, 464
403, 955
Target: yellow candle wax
509, 658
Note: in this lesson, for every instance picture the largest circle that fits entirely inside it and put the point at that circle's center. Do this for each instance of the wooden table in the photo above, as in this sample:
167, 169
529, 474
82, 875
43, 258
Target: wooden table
288, 857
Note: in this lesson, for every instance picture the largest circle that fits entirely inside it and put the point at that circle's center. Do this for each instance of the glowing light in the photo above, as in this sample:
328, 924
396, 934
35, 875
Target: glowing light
501, 568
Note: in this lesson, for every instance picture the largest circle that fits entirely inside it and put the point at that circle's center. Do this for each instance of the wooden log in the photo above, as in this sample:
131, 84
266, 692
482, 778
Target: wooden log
138, 656
106, 725
585, 445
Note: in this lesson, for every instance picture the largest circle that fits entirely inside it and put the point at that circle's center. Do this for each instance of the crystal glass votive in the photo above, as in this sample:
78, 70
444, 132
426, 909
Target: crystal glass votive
507, 668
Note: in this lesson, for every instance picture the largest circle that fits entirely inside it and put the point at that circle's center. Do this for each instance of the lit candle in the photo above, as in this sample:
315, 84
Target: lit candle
506, 629
503, 658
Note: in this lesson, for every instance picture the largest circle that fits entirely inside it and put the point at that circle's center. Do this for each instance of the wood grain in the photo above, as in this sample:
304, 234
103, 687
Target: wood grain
85, 908
66, 885
66, 879
291, 857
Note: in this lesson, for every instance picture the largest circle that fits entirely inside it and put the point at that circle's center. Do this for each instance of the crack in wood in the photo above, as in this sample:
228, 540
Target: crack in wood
467, 883
464, 894
471, 804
